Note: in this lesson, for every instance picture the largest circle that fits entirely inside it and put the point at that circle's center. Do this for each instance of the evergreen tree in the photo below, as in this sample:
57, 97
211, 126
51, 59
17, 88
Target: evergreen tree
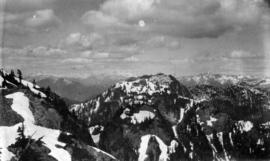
34, 83
19, 72
4, 83
48, 91
12, 74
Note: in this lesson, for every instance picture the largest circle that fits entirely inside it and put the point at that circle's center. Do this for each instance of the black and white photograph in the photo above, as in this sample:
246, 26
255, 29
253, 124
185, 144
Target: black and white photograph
134, 80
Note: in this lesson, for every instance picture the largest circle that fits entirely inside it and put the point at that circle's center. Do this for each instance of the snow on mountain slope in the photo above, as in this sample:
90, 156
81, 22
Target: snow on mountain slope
50, 136
144, 145
1, 80
31, 86
21, 106
34, 88
139, 117
135, 91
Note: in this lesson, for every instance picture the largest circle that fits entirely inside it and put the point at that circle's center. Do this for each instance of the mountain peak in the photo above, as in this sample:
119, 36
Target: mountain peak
152, 84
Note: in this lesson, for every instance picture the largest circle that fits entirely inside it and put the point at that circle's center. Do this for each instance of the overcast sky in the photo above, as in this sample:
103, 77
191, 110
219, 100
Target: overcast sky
134, 37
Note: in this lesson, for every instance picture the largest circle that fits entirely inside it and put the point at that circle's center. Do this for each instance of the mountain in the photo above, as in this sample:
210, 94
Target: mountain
154, 117
76, 89
147, 118
220, 80
35, 125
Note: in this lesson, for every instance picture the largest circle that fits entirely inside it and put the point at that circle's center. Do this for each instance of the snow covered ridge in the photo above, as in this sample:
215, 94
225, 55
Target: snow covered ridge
153, 84
33, 88
134, 91
9, 133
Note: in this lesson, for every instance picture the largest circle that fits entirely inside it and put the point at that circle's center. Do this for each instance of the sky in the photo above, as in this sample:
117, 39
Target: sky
80, 38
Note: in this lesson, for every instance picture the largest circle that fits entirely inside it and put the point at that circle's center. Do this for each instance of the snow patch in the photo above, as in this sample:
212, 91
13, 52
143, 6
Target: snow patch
96, 137
139, 117
101, 151
210, 122
244, 125
8, 134
21, 106
1, 80
164, 156
172, 148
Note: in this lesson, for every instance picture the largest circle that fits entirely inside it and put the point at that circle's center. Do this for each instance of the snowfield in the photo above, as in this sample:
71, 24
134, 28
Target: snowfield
8, 134
21, 106
165, 150
138, 118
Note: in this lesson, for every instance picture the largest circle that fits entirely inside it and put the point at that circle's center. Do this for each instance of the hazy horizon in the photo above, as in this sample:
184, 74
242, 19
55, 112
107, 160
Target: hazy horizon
81, 38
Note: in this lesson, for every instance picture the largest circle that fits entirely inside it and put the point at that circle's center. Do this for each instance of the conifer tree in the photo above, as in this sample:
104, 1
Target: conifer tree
12, 74
19, 72
34, 83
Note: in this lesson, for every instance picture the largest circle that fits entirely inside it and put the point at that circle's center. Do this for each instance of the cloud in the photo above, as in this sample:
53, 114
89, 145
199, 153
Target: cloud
101, 55
26, 5
79, 41
40, 51
242, 54
131, 59
77, 60
29, 22
181, 18
99, 19
42, 19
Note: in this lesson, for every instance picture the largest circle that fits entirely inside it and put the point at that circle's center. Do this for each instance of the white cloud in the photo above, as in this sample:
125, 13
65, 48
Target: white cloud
29, 22
42, 19
87, 53
40, 51
101, 55
79, 41
26, 5
193, 18
100, 19
242, 54
77, 60
131, 59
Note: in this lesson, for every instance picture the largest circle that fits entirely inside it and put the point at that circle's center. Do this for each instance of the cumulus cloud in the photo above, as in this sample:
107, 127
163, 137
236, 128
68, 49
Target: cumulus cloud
79, 41
29, 22
42, 19
193, 18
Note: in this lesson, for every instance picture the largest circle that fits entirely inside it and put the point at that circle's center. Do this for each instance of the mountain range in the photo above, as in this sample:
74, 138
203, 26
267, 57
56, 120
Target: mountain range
147, 118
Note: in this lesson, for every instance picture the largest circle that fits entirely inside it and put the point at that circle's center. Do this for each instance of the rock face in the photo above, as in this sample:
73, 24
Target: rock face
157, 118
35, 125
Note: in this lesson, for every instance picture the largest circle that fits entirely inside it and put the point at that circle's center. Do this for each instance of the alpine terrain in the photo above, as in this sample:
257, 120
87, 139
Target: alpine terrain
156, 118
148, 118
35, 125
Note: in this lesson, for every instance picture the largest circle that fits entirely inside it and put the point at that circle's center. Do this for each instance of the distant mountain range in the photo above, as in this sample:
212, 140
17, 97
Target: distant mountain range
77, 89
